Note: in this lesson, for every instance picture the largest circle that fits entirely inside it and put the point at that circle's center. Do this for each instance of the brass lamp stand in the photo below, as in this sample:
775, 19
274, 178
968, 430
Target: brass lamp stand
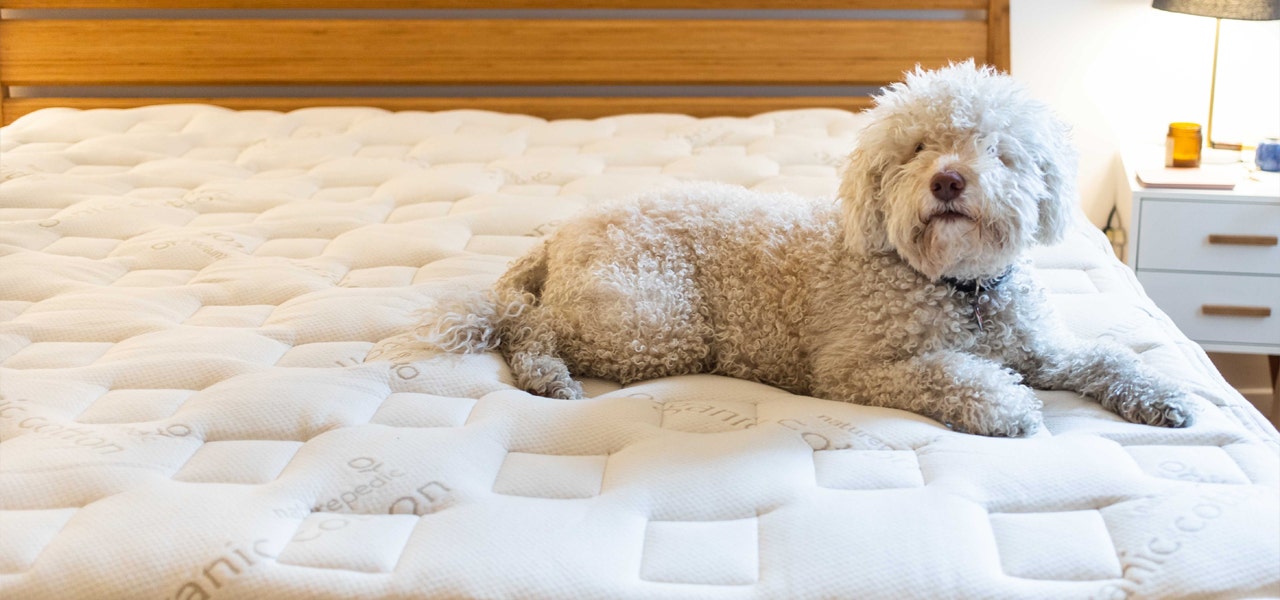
1213, 83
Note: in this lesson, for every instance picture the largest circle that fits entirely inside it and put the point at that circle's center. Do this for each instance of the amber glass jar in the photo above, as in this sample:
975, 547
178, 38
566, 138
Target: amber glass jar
1182, 147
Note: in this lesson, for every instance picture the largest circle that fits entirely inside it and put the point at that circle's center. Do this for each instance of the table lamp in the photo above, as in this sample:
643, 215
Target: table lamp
1245, 10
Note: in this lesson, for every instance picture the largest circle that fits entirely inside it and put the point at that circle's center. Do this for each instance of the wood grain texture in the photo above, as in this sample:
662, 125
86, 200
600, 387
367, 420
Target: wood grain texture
545, 107
1224, 310
504, 4
999, 52
1243, 240
4, 96
1273, 361
171, 53
494, 51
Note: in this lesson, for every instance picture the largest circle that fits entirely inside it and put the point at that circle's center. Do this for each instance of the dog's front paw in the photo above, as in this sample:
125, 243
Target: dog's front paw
1001, 427
1150, 399
1118, 379
1175, 410
1013, 412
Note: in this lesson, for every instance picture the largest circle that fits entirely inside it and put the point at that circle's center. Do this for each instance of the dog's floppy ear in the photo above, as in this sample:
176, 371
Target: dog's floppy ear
862, 201
1056, 161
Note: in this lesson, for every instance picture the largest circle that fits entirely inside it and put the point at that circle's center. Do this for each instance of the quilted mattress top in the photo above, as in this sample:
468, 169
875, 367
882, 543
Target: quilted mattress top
208, 390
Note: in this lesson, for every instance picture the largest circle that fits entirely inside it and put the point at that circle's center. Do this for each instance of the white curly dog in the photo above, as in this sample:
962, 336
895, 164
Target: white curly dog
914, 295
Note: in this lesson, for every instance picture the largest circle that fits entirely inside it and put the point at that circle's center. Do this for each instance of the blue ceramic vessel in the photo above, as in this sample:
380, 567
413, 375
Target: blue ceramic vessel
1268, 155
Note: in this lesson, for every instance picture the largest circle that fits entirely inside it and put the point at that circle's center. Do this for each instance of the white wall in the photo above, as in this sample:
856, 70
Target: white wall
1119, 71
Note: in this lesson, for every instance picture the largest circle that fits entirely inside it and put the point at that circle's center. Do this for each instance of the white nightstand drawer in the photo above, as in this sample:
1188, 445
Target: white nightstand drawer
1184, 296
1176, 236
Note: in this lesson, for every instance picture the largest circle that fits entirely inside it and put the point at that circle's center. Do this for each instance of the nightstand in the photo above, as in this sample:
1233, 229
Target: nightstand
1210, 259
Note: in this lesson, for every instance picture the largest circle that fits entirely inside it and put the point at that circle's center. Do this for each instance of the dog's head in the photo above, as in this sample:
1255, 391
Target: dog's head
959, 172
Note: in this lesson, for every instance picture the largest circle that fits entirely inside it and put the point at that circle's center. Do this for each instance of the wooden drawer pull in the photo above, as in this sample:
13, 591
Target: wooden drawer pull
1236, 311
1243, 240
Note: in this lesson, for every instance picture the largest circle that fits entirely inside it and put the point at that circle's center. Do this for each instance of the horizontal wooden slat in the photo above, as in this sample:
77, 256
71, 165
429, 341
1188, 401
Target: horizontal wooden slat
504, 4
550, 108
493, 51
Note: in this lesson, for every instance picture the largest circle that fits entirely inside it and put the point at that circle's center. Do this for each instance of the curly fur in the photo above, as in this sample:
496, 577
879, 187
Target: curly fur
848, 303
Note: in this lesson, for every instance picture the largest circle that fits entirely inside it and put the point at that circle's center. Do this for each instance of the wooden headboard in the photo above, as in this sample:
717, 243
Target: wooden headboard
118, 53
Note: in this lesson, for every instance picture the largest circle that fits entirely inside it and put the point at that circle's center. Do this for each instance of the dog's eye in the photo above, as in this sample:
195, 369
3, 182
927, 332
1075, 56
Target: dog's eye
919, 147
994, 152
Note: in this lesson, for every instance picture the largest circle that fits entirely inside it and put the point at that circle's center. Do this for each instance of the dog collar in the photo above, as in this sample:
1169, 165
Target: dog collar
975, 288
971, 286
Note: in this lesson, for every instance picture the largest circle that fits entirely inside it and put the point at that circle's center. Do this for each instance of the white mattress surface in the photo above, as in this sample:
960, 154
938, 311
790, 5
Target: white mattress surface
208, 390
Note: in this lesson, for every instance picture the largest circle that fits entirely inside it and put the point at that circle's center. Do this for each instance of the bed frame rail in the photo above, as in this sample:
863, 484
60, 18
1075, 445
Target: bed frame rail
564, 58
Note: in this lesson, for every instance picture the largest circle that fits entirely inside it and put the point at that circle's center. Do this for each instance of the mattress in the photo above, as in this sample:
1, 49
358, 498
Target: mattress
210, 388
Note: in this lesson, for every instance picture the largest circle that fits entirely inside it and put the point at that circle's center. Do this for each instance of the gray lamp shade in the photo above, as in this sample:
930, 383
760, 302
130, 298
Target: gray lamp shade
1246, 10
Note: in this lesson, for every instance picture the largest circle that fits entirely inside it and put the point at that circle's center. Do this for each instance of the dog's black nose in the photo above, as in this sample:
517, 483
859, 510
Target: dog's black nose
947, 185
